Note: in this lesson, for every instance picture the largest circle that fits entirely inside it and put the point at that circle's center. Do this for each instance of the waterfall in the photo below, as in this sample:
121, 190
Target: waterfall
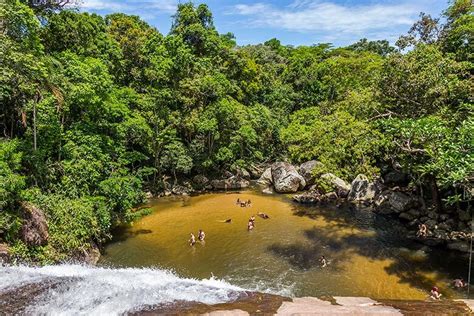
97, 291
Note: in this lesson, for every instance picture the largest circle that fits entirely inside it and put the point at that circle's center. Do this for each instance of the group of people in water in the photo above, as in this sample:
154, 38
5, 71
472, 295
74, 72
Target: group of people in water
201, 237
457, 284
241, 203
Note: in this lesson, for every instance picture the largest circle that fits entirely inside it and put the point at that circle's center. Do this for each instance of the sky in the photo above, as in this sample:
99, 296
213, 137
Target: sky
293, 22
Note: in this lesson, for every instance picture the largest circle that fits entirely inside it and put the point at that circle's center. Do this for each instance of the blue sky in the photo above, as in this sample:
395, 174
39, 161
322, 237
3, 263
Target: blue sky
293, 22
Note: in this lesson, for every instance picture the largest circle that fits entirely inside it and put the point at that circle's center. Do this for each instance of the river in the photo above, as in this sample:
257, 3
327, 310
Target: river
368, 255
151, 262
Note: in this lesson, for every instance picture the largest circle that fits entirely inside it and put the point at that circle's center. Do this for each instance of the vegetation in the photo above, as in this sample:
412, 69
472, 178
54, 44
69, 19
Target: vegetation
94, 110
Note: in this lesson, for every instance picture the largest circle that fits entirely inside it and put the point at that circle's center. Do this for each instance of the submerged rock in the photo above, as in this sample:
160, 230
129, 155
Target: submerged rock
341, 187
34, 231
306, 170
286, 179
362, 189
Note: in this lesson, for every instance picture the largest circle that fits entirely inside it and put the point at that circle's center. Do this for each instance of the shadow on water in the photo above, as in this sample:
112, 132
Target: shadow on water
374, 237
123, 233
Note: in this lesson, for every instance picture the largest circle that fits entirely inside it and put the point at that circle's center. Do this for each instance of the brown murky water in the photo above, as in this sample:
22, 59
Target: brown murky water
368, 255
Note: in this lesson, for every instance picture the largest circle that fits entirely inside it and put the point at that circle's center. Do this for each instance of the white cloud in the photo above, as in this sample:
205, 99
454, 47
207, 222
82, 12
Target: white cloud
131, 6
325, 16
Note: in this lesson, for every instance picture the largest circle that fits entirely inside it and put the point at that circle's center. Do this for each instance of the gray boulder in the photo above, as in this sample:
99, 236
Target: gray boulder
341, 187
362, 189
400, 202
266, 177
200, 180
308, 197
232, 183
306, 170
34, 230
286, 179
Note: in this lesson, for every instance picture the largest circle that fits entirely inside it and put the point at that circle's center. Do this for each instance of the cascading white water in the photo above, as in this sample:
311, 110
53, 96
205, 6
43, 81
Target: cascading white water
98, 291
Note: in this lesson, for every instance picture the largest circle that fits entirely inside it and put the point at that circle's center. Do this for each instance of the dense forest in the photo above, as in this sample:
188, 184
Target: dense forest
97, 110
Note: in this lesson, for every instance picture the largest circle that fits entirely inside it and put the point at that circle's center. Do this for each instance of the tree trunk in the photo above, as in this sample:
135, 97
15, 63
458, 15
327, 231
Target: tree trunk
435, 196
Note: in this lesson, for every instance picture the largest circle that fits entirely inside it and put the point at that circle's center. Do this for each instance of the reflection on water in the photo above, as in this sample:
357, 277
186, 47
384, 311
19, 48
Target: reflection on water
368, 255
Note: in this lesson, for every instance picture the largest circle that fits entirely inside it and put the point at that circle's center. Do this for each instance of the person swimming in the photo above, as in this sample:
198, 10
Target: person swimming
238, 201
201, 235
192, 240
228, 220
323, 262
252, 219
250, 225
263, 215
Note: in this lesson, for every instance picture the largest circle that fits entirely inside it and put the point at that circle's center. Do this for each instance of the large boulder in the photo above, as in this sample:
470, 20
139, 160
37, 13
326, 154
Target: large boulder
341, 187
34, 231
306, 170
200, 181
266, 177
286, 179
232, 183
401, 202
4, 254
362, 189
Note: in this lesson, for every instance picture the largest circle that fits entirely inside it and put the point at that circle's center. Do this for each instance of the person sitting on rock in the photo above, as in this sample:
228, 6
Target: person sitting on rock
422, 230
435, 295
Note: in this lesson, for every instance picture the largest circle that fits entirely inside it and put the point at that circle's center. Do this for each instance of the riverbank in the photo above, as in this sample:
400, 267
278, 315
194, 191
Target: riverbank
390, 194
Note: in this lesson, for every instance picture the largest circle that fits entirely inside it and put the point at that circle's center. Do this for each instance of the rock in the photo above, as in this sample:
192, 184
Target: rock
341, 187
459, 246
306, 170
362, 189
200, 181
256, 171
34, 230
444, 226
430, 224
400, 202
227, 174
241, 172
407, 216
268, 190
433, 215
286, 179
148, 195
232, 183
396, 177
90, 254
309, 197
329, 197
266, 177
180, 190
4, 254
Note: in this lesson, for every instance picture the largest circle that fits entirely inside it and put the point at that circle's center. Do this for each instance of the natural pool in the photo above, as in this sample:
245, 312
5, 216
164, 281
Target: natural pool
368, 255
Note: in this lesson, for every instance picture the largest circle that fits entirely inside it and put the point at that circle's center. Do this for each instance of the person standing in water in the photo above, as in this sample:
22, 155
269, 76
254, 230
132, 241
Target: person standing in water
192, 240
250, 225
201, 235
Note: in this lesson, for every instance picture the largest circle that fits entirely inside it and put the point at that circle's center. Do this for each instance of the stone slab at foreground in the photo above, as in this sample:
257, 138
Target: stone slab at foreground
346, 306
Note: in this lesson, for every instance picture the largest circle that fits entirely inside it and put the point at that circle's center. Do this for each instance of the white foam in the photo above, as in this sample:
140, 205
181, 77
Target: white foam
98, 291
